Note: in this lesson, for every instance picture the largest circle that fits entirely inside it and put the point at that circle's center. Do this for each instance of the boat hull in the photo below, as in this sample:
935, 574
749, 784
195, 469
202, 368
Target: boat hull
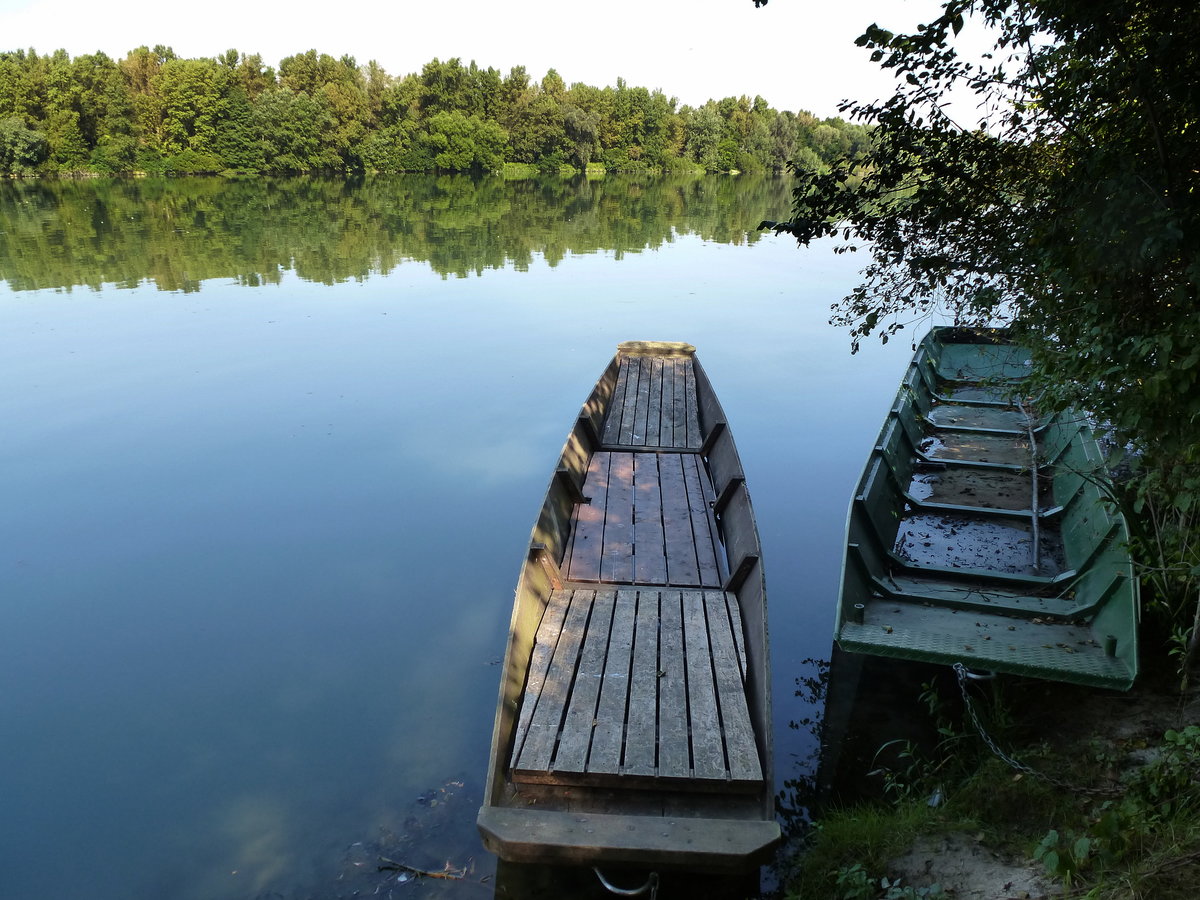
981, 534
633, 725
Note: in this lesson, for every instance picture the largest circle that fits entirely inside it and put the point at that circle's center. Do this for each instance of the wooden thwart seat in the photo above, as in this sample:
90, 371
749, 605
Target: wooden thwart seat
654, 405
639, 687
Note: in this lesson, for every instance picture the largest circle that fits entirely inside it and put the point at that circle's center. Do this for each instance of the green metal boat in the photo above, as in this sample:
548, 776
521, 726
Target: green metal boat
980, 533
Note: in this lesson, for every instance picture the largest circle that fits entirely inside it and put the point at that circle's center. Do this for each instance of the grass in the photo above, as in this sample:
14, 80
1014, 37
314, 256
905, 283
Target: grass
1131, 832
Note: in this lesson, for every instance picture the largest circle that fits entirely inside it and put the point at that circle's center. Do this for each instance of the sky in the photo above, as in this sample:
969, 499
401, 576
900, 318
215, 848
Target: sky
797, 54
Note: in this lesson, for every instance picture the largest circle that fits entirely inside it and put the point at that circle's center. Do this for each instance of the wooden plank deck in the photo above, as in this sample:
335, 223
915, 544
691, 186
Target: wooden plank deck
648, 521
654, 405
641, 686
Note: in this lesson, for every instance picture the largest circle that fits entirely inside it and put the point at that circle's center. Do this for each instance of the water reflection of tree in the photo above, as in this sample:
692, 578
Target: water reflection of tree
177, 233
800, 790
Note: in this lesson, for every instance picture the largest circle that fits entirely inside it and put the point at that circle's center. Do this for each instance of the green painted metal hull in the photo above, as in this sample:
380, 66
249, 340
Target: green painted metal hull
959, 549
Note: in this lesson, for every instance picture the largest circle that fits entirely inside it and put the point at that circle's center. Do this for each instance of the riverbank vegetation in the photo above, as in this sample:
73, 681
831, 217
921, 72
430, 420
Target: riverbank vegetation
1105, 804
154, 112
1066, 206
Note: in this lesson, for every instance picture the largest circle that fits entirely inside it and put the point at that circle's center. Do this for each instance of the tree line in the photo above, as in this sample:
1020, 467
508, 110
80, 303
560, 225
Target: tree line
158, 113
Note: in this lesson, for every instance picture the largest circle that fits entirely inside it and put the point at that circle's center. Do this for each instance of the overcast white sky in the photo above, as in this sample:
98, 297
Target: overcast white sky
798, 54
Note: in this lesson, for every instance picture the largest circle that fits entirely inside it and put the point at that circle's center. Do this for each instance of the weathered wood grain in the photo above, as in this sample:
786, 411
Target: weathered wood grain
641, 411
641, 744
654, 404
608, 736
674, 754
651, 691
679, 408
576, 738
587, 541
682, 568
612, 423
616, 563
708, 748
694, 437
704, 534
650, 561
731, 695
537, 751
539, 664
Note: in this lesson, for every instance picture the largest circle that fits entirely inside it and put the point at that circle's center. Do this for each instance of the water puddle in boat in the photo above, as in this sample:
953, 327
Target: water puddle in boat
994, 448
975, 393
953, 415
1003, 546
986, 488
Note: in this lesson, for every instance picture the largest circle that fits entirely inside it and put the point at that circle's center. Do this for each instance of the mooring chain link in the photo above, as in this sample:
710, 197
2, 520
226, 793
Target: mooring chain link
962, 673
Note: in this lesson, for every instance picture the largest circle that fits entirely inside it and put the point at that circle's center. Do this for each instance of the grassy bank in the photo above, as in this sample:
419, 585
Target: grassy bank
1111, 808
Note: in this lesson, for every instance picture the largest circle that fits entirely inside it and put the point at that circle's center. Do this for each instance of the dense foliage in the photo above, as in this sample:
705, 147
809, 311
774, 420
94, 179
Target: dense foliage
155, 112
1069, 208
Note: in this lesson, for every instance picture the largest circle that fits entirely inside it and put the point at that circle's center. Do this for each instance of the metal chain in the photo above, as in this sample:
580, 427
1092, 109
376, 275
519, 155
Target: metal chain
961, 671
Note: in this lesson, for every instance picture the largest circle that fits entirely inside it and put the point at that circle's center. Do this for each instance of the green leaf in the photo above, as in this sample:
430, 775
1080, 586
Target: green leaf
1080, 849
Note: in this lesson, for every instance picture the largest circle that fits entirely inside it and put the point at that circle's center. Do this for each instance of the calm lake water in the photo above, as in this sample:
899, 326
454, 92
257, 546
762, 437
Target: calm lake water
270, 452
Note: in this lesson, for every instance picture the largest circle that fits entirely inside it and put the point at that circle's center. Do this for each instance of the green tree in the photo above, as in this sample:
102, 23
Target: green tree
22, 149
461, 143
194, 104
16, 84
704, 127
292, 131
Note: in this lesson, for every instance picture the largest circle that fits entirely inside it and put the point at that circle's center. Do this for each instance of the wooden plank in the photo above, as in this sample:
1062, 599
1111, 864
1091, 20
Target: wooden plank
546, 837
674, 756
650, 564
538, 750
609, 734
654, 404
641, 412
641, 737
616, 560
737, 629
587, 543
616, 408
704, 722
693, 410
539, 664
731, 691
703, 525
666, 432
576, 738
679, 412
633, 368
682, 568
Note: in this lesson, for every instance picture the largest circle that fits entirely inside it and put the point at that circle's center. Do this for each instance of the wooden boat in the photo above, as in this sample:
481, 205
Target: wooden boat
979, 532
634, 720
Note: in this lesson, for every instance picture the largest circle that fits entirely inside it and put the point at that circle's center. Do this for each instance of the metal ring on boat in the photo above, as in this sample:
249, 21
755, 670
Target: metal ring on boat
651, 885
964, 672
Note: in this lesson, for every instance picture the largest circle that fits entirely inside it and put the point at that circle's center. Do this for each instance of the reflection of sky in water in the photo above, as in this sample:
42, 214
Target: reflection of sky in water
260, 544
